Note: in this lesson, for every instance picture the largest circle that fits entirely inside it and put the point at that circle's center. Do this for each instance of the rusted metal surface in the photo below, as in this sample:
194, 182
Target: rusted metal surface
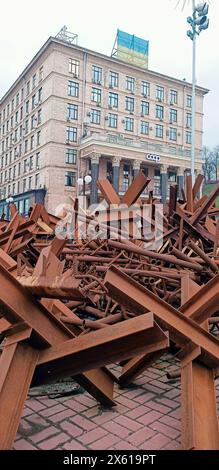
83, 304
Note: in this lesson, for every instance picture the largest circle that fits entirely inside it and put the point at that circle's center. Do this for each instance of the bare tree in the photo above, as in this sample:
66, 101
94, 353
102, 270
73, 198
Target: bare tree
211, 160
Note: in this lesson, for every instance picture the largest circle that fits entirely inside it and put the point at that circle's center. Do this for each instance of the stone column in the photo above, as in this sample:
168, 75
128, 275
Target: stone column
164, 183
136, 167
180, 181
94, 175
116, 169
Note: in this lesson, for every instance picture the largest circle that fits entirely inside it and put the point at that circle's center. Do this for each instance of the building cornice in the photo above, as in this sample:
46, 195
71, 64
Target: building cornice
54, 41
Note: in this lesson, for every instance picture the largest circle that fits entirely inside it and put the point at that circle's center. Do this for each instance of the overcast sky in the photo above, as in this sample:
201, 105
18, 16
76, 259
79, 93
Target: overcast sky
26, 24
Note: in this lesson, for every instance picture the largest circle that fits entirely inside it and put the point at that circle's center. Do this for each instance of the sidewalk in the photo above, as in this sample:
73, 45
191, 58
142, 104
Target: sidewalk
147, 417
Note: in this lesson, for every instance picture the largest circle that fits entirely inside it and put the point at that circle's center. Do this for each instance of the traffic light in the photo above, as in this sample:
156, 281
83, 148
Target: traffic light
199, 20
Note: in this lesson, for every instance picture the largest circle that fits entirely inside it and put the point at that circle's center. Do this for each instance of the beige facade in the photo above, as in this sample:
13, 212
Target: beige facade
73, 112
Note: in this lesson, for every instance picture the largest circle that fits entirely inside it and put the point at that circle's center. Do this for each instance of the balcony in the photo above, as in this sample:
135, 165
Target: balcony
119, 142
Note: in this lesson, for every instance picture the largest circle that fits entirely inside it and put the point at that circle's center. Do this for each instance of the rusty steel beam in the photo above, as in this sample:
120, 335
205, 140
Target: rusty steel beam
52, 288
132, 248
99, 383
108, 192
209, 262
18, 305
204, 303
135, 189
197, 186
7, 262
129, 293
199, 411
17, 365
204, 208
97, 349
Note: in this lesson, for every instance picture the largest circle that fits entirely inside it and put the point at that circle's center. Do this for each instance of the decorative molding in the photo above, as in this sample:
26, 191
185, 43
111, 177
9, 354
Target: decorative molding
180, 171
116, 161
136, 165
164, 169
95, 158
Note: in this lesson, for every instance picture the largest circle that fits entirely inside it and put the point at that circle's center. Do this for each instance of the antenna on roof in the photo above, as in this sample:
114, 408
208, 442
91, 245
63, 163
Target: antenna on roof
67, 36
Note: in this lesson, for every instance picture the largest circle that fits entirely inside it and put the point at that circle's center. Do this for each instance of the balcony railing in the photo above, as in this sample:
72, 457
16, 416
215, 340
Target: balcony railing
158, 148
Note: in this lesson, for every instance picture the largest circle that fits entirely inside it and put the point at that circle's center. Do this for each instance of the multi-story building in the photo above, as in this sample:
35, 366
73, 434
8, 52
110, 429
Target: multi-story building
73, 112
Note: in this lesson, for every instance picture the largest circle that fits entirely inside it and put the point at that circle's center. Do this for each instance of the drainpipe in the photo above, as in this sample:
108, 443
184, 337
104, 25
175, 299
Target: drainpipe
83, 114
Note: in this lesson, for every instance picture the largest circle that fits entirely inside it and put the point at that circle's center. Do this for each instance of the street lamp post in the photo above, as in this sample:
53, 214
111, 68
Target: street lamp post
198, 22
82, 181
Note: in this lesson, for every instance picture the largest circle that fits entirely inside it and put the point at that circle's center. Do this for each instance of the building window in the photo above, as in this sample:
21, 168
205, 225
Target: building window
96, 95
160, 93
38, 137
173, 115
130, 84
157, 190
34, 81
113, 100
188, 137
27, 107
70, 178
129, 124
17, 99
31, 163
18, 187
173, 97
145, 107
28, 88
113, 120
72, 111
37, 160
19, 169
189, 119
25, 166
40, 95
144, 127
189, 101
71, 134
15, 135
129, 104
26, 146
16, 117
24, 185
159, 112
21, 113
172, 176
114, 79
126, 176
37, 180
71, 156
32, 142
96, 74
159, 131
33, 101
30, 182
109, 171
26, 126
173, 133
41, 74
32, 121
95, 116
73, 89
73, 67
39, 117
145, 89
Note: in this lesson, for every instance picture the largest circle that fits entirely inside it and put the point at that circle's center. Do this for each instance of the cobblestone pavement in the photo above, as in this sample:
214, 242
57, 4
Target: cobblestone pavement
147, 417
